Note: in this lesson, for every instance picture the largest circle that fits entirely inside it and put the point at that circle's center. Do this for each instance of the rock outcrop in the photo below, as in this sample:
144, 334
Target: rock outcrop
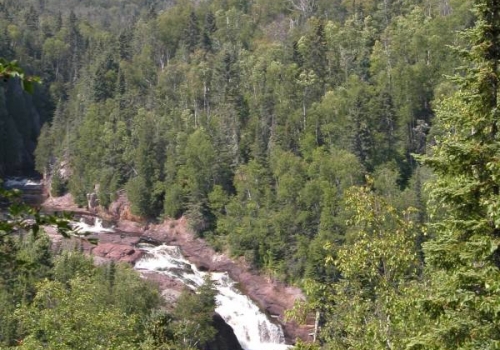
118, 252
63, 203
225, 338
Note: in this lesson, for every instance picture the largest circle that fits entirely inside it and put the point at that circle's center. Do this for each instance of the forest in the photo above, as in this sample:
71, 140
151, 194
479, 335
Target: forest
347, 147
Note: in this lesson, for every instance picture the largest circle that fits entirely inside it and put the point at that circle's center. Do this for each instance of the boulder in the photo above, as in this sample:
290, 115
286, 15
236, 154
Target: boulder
117, 252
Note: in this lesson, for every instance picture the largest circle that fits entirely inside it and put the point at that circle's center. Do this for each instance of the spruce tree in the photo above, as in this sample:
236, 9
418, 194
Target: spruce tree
463, 260
192, 32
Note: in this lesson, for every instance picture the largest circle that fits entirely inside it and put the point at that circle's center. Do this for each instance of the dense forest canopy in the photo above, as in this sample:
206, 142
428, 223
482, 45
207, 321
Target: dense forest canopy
255, 119
242, 115
250, 117
64, 302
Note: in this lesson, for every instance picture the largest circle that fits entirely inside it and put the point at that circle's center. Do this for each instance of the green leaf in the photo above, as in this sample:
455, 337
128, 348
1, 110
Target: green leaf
28, 86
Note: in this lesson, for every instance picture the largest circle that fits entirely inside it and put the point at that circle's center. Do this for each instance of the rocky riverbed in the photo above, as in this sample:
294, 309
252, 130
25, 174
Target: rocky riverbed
272, 296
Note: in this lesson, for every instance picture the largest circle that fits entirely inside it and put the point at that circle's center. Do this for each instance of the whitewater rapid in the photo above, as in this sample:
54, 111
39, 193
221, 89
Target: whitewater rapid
82, 227
23, 183
253, 329
251, 326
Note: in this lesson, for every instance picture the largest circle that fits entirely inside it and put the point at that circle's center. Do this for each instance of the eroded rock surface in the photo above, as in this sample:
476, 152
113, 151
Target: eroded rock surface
118, 252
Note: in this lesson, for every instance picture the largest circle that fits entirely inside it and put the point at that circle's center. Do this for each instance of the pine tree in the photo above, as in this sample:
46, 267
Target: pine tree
463, 260
192, 32
209, 28
57, 184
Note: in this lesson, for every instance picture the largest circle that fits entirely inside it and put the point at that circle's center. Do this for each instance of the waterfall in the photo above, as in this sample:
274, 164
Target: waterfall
251, 326
82, 227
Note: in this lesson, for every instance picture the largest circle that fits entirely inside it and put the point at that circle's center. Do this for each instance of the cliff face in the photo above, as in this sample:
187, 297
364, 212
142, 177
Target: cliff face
225, 338
272, 296
21, 117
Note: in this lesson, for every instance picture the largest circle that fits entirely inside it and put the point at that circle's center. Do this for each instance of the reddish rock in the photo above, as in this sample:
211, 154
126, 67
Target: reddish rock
63, 203
118, 238
131, 227
171, 288
59, 243
120, 210
117, 252
55, 238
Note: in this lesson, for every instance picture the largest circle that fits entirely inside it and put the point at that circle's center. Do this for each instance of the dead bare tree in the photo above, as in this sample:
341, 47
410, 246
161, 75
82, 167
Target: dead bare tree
305, 7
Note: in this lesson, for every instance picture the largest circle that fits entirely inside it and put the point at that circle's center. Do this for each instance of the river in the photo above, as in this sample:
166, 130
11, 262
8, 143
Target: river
252, 327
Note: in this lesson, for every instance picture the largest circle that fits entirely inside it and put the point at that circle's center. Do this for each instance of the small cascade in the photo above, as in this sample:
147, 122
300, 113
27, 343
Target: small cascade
31, 189
251, 326
82, 227
23, 183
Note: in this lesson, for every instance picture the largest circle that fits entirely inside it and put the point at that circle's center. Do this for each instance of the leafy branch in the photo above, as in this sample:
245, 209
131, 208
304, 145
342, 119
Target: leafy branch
11, 69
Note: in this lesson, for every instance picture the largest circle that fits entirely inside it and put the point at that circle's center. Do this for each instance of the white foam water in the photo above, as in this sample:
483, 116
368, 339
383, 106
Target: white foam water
81, 227
19, 182
251, 326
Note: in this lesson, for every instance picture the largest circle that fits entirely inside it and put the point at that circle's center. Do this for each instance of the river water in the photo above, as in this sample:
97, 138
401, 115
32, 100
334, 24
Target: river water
252, 327
83, 227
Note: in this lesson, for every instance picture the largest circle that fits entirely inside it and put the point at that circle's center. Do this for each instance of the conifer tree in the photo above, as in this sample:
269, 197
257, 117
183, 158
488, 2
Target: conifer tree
192, 32
463, 260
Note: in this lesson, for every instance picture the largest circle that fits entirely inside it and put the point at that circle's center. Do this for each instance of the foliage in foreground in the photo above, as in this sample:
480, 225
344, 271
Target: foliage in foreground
386, 298
64, 301
67, 302
372, 305
463, 261
251, 118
